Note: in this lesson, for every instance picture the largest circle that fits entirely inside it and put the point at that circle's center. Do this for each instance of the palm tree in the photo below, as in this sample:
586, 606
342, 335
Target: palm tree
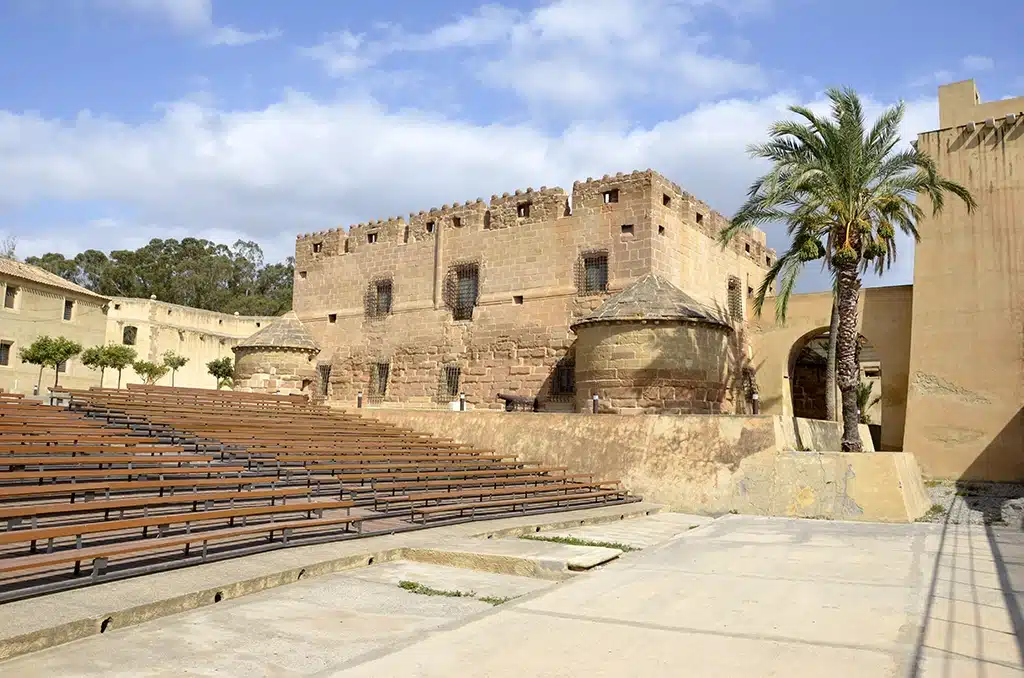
842, 190
864, 400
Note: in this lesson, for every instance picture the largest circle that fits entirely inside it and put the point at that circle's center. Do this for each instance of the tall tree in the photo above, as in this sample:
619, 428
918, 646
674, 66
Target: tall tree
191, 272
830, 361
118, 357
95, 358
174, 362
842, 190
47, 351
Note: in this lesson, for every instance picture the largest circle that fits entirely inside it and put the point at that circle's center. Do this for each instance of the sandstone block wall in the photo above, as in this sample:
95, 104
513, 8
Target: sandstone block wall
528, 248
658, 368
284, 371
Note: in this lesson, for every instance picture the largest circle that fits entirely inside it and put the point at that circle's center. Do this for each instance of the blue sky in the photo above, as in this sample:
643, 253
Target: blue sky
122, 120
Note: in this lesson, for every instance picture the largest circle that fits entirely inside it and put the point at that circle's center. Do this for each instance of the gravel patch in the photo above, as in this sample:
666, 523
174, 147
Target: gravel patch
976, 503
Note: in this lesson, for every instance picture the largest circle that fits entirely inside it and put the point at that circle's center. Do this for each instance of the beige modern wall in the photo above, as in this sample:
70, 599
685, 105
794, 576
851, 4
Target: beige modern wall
38, 311
705, 464
528, 269
965, 414
884, 317
197, 334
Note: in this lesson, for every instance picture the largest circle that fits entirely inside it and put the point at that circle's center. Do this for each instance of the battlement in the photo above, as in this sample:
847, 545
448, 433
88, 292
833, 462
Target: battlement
634, 194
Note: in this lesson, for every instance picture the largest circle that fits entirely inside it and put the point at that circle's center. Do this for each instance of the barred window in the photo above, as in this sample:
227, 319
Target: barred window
379, 296
462, 288
592, 273
449, 386
69, 307
324, 378
735, 298
5, 352
379, 374
563, 381
129, 335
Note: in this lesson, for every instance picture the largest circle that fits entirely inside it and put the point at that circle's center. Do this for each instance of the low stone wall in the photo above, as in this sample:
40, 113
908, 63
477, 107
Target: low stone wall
700, 464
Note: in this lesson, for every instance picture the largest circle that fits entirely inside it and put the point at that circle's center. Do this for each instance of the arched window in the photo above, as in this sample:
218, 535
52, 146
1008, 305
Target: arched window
129, 335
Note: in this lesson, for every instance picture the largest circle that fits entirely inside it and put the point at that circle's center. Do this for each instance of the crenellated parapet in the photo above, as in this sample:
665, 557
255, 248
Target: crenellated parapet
527, 206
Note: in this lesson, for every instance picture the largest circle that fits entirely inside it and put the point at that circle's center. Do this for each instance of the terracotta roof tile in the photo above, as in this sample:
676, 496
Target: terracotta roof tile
29, 273
285, 332
651, 297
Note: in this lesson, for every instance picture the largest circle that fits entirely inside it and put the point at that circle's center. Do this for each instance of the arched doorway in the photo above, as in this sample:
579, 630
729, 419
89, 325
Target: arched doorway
808, 360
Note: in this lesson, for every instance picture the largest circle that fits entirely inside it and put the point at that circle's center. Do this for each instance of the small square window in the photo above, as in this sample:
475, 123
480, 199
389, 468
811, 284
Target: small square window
611, 196
302, 274
332, 318
627, 229
10, 295
523, 209
69, 309
517, 299
318, 247
5, 353
666, 200
371, 238
258, 323
700, 218
457, 222
117, 307
746, 247
430, 227
661, 230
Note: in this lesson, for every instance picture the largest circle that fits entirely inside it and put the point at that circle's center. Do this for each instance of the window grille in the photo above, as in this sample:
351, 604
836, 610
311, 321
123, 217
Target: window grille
324, 373
68, 308
735, 298
379, 295
379, 374
563, 381
449, 386
592, 273
462, 287
5, 353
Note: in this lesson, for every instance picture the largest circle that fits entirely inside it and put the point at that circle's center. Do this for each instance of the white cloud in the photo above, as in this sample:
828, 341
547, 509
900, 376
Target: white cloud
191, 16
968, 66
303, 165
572, 52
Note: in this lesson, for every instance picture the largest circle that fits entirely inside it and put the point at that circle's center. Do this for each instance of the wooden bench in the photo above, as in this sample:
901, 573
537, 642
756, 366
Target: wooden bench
535, 489
142, 471
108, 487
475, 507
109, 459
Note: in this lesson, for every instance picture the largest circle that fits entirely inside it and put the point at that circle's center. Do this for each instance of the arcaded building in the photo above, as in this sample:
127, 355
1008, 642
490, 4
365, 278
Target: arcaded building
507, 296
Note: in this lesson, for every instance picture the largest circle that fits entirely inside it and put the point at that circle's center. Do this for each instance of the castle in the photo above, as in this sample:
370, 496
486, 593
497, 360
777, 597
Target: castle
539, 294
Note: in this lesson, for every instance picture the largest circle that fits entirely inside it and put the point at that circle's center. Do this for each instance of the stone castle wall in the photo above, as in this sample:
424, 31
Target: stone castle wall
528, 248
274, 370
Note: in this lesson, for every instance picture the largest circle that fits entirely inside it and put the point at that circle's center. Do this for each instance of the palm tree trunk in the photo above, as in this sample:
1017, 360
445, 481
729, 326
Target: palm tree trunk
847, 372
830, 369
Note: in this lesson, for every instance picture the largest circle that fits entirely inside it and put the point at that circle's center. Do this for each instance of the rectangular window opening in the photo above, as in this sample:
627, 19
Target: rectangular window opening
10, 295
595, 274
62, 366
129, 335
450, 376
379, 379
302, 274
430, 227
383, 297
517, 299
700, 218
627, 229
457, 222
661, 230
666, 200
467, 284
734, 299
750, 291
318, 247
872, 373
324, 380
69, 307
523, 210
746, 247
332, 318
767, 261
5, 353
563, 382
611, 196
371, 238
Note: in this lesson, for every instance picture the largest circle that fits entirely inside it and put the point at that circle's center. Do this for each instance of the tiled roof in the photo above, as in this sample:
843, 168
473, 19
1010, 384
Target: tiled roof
34, 274
651, 297
285, 332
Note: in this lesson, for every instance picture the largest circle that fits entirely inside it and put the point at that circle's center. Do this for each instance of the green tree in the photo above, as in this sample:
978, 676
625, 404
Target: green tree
95, 358
119, 357
842, 190
47, 351
192, 272
174, 362
864, 400
222, 369
149, 371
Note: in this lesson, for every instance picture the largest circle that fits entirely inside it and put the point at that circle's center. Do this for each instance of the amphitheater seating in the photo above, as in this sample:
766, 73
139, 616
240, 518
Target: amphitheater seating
132, 480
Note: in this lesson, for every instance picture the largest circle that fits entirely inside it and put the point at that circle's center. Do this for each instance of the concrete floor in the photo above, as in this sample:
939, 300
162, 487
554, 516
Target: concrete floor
741, 596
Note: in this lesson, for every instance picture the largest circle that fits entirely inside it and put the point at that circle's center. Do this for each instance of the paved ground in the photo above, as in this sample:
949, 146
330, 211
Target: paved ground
741, 596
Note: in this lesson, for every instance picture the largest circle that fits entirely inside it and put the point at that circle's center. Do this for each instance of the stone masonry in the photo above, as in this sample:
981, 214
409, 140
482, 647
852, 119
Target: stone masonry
532, 253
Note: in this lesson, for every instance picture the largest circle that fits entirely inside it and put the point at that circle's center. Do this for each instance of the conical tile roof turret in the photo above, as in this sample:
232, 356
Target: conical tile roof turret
285, 332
